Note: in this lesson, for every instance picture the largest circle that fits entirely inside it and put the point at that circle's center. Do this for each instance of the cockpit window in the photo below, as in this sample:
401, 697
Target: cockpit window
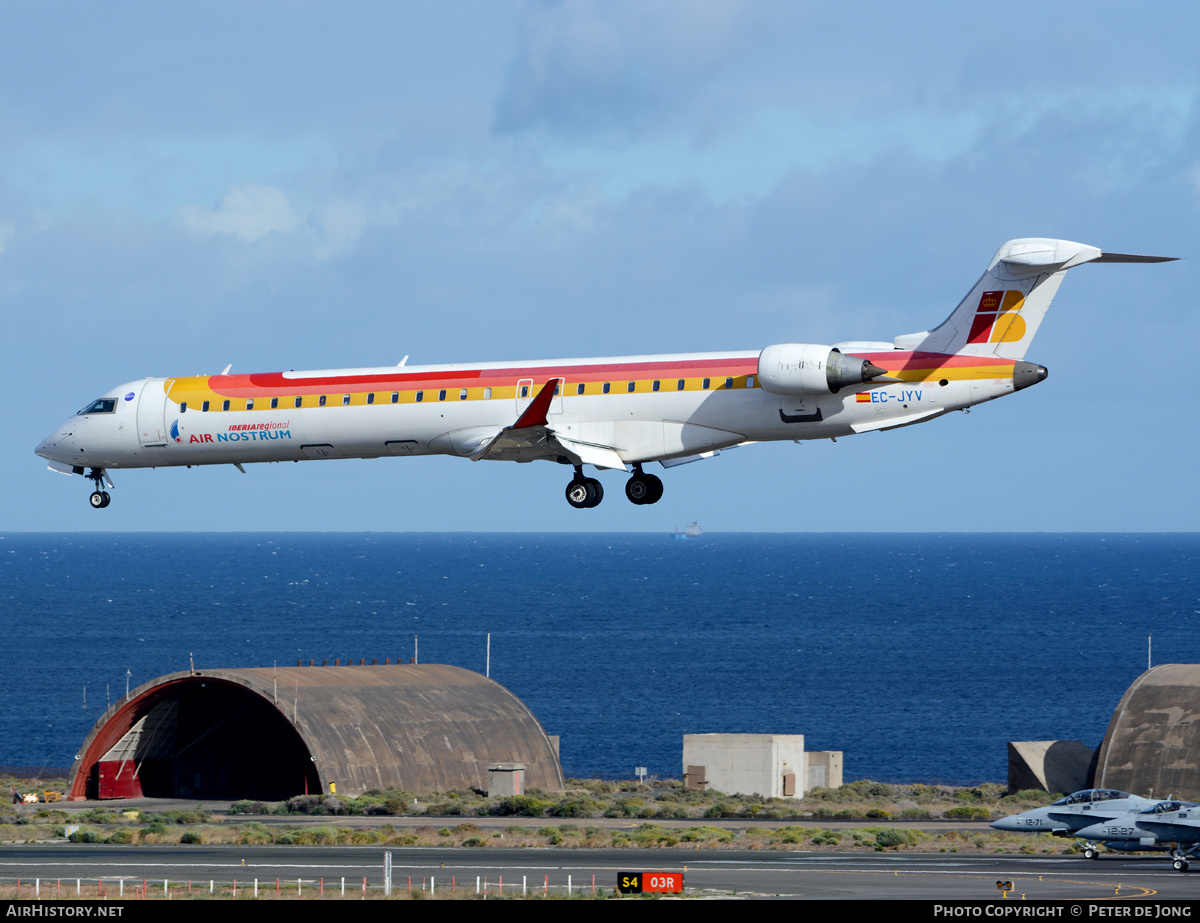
1166, 807
1093, 794
104, 405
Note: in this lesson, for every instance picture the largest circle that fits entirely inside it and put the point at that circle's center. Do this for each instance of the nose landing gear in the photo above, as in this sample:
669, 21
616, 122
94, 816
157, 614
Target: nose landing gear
99, 498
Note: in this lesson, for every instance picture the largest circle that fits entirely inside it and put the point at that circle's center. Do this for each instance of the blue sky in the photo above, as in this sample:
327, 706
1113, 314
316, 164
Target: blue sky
310, 185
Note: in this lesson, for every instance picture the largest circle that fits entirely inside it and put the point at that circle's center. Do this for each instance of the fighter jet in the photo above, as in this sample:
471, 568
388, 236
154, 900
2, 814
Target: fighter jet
1081, 810
1166, 825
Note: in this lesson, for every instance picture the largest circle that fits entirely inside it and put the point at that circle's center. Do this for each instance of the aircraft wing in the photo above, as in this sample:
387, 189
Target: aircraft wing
533, 437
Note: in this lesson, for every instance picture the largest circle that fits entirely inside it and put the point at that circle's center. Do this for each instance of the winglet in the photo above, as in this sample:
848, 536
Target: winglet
535, 413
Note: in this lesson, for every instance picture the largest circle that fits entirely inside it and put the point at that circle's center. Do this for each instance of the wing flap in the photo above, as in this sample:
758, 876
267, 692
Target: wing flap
590, 453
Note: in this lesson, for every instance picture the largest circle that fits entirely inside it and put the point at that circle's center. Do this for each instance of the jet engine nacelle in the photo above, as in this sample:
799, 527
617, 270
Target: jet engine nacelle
808, 368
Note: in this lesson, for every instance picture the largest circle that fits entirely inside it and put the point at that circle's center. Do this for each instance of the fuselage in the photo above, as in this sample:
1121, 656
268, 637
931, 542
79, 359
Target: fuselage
605, 412
645, 408
1070, 815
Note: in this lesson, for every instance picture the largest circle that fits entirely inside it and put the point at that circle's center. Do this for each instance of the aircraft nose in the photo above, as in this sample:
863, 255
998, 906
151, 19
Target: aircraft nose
1006, 823
57, 446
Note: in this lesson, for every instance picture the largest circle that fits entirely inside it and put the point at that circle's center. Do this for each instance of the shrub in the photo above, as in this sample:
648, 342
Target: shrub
974, 812
894, 838
520, 806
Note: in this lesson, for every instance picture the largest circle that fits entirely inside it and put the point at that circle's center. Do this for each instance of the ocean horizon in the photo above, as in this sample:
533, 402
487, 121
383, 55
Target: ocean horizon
919, 655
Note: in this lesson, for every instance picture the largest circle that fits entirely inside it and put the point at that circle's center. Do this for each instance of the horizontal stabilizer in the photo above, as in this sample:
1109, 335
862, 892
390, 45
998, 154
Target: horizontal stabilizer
1133, 258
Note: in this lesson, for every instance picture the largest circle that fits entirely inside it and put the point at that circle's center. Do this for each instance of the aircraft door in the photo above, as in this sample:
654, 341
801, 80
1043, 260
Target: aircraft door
524, 394
151, 413
527, 391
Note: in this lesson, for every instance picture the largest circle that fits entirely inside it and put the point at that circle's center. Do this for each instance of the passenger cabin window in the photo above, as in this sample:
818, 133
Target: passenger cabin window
183, 407
104, 405
579, 389
274, 403
631, 386
371, 398
204, 407
487, 394
224, 405
420, 396
462, 394
345, 400
728, 382
524, 390
707, 382
654, 386
607, 386
250, 405
749, 381
557, 387
396, 397
321, 400
299, 401
679, 385
442, 395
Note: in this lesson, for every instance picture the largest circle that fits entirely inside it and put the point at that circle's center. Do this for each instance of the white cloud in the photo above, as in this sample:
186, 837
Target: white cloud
339, 226
248, 211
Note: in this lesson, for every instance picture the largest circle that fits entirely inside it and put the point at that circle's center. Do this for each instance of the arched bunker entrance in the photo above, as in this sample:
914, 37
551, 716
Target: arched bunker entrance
273, 733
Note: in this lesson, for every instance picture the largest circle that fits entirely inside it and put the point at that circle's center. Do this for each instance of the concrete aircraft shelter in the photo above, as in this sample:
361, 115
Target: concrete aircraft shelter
1152, 747
271, 733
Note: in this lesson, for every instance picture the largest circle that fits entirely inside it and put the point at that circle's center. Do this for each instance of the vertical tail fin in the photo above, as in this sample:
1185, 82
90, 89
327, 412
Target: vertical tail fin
1005, 308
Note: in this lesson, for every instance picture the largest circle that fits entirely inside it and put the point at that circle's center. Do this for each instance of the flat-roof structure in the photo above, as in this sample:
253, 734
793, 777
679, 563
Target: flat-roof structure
271, 733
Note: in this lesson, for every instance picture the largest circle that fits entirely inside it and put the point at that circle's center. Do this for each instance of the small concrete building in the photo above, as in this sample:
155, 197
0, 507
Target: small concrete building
1049, 765
771, 765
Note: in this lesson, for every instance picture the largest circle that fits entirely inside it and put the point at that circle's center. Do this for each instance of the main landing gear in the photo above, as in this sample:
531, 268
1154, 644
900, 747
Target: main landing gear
99, 498
643, 488
584, 493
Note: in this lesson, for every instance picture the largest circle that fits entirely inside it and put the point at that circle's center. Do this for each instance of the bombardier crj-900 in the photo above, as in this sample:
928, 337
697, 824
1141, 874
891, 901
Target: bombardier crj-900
620, 413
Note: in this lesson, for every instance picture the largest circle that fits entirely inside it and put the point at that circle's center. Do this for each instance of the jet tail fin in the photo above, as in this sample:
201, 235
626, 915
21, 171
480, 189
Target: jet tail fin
1001, 314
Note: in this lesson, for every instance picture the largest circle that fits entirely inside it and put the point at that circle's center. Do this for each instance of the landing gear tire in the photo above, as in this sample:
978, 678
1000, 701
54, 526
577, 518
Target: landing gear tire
1180, 865
99, 499
644, 488
1091, 853
585, 493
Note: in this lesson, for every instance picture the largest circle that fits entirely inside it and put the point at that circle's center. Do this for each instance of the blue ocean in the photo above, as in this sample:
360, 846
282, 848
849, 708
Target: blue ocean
917, 655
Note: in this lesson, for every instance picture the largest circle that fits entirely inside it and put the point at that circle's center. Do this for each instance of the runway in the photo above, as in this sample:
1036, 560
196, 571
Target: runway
765, 874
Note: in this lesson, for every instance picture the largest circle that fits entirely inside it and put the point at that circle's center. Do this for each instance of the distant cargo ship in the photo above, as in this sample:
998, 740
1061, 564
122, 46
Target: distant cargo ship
692, 531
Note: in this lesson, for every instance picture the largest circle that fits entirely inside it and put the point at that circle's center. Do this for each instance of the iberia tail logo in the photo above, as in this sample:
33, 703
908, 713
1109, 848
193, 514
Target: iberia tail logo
998, 318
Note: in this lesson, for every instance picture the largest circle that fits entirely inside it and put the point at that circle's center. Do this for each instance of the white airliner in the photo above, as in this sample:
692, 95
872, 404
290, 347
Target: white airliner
617, 413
